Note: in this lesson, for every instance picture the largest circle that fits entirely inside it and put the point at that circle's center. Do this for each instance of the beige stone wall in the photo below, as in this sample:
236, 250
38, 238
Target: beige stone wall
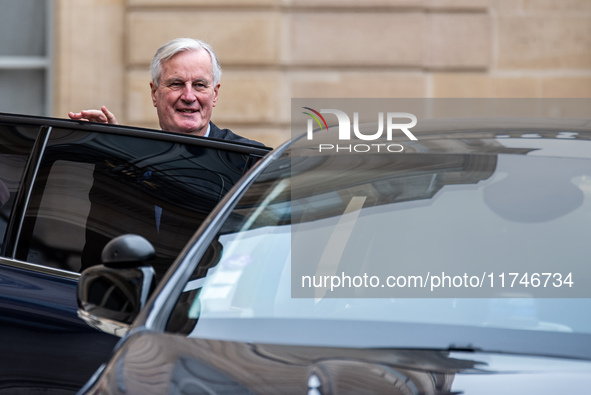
273, 50
89, 58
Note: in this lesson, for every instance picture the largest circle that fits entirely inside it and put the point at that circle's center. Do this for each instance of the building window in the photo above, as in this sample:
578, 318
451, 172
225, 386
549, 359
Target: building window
25, 56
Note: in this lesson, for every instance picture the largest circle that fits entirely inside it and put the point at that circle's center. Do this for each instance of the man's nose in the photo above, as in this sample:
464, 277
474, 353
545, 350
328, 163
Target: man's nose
188, 93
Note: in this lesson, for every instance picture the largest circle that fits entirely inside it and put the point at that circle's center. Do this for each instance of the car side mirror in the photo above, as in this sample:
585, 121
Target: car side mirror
111, 295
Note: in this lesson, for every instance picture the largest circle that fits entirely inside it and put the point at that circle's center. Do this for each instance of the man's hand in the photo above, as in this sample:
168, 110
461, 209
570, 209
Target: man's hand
102, 116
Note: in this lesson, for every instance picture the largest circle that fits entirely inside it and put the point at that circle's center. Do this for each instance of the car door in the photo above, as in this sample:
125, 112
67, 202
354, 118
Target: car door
66, 189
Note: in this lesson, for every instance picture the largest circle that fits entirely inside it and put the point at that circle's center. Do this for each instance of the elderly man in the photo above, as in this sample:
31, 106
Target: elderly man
185, 85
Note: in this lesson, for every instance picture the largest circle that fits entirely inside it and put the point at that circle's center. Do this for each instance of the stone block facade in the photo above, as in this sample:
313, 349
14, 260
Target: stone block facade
275, 50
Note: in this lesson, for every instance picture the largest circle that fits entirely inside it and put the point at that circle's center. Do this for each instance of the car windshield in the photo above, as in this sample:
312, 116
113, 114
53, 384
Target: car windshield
411, 250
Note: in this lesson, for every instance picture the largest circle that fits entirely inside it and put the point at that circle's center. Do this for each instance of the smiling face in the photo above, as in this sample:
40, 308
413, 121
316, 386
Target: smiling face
185, 95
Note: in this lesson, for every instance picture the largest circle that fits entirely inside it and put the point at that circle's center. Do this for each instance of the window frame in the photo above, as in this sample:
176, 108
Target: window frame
44, 63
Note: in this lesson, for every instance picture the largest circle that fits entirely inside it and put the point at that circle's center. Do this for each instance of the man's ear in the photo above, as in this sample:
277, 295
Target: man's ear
216, 89
153, 93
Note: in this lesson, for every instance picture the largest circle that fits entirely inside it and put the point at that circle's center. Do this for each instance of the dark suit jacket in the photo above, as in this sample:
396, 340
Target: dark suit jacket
226, 134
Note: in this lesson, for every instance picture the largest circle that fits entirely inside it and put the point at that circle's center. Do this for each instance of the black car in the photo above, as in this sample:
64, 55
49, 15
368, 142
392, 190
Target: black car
66, 189
458, 265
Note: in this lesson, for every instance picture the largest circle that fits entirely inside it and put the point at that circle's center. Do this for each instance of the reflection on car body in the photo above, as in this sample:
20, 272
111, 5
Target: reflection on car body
233, 314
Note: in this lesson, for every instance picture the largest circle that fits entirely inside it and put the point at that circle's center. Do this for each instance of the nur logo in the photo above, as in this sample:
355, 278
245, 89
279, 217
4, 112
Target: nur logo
345, 124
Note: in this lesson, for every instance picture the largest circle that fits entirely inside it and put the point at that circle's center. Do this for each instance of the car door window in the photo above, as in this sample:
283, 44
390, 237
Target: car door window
16, 144
92, 187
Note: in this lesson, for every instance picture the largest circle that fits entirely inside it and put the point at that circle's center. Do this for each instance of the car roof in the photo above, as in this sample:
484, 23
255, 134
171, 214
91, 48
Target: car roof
23, 119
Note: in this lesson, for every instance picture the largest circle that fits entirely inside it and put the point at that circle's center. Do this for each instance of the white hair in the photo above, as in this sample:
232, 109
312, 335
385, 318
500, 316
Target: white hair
173, 47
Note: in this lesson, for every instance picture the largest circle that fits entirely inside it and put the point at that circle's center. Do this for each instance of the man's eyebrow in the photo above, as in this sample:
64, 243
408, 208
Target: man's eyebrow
174, 79
204, 81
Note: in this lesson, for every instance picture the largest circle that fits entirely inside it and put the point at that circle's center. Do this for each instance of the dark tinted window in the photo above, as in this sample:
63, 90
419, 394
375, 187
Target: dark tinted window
92, 187
16, 144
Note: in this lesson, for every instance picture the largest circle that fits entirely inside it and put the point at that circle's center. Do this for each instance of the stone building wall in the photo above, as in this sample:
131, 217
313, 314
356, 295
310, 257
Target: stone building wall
273, 50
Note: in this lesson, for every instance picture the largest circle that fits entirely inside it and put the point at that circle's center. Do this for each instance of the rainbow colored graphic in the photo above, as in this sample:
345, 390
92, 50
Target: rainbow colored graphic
316, 117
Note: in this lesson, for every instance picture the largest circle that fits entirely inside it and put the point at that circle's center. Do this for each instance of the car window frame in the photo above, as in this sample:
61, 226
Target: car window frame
46, 124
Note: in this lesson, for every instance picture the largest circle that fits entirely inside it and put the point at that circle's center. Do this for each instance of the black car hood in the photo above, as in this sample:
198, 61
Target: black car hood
172, 364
